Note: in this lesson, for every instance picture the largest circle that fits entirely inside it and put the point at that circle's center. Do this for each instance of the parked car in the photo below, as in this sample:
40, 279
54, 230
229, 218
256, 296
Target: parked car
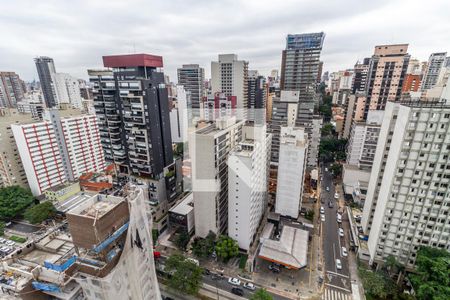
322, 218
344, 252
330, 204
341, 232
216, 277
274, 268
338, 264
322, 210
234, 281
10, 243
338, 218
237, 291
2, 240
249, 286
327, 188
336, 196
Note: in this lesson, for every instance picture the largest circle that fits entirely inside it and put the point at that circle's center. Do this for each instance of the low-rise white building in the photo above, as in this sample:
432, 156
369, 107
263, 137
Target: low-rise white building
247, 184
291, 171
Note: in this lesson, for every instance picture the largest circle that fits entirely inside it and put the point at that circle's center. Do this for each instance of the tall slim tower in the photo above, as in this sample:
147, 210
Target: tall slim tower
45, 68
300, 64
132, 107
435, 64
229, 76
387, 71
11, 89
192, 78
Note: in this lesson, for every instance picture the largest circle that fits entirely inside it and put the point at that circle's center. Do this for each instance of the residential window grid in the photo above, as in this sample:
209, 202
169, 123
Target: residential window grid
417, 212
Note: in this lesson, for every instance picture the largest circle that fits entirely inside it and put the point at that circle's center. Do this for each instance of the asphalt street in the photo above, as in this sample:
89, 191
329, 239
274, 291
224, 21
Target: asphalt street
332, 242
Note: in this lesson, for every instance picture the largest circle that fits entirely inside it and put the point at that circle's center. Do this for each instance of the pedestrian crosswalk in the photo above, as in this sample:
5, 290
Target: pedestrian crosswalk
332, 294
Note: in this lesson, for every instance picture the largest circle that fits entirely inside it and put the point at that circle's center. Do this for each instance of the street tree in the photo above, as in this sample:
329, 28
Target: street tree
432, 279
13, 201
182, 240
204, 247
38, 213
226, 248
261, 294
378, 284
186, 276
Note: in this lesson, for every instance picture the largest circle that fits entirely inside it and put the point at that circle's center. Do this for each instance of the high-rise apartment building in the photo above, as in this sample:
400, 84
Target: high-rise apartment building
132, 107
408, 200
411, 83
192, 78
285, 112
360, 71
247, 184
209, 147
230, 76
11, 168
58, 149
179, 116
363, 140
12, 89
291, 171
300, 64
45, 68
435, 63
67, 90
387, 72
257, 91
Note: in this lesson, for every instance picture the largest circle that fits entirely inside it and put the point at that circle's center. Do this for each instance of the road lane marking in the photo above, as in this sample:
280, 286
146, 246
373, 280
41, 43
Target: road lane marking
334, 256
338, 274
338, 287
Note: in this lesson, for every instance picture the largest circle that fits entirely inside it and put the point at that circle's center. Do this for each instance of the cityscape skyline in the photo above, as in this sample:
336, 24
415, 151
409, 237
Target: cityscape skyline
189, 37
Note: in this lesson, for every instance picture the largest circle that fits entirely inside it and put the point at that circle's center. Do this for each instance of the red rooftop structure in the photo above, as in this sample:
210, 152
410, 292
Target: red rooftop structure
132, 60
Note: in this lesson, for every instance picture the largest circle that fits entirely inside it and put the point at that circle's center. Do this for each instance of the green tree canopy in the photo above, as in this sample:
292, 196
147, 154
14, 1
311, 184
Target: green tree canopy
13, 201
332, 148
261, 294
186, 276
226, 247
327, 129
377, 284
204, 247
182, 240
40, 212
336, 169
432, 280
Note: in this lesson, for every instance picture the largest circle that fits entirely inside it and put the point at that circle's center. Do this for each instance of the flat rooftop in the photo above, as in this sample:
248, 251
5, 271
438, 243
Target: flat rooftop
96, 206
185, 206
73, 201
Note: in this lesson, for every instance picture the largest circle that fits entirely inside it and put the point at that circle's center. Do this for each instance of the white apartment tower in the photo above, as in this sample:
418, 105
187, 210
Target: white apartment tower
67, 90
209, 147
58, 149
408, 198
291, 171
230, 76
247, 184
435, 63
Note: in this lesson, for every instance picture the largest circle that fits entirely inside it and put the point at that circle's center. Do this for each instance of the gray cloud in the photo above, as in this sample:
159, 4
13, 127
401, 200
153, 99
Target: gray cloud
77, 33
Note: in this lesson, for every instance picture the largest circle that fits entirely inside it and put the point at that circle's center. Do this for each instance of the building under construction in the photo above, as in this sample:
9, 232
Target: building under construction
106, 253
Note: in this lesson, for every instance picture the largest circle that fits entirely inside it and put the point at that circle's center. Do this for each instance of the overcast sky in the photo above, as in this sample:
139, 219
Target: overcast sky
77, 33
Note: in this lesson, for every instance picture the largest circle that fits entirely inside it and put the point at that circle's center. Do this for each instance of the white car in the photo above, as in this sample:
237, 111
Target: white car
344, 252
339, 218
338, 264
249, 286
327, 188
322, 210
341, 232
234, 281
322, 218
326, 169
2, 240
336, 196
10, 243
